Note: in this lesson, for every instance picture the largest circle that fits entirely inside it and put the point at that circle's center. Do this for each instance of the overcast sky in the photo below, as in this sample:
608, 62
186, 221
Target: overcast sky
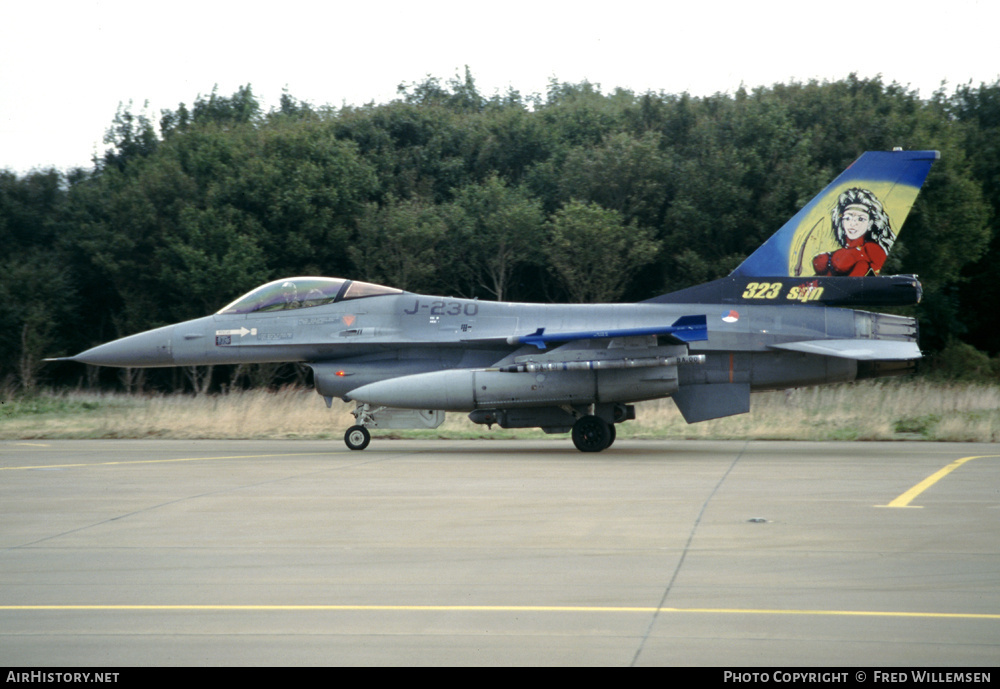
66, 65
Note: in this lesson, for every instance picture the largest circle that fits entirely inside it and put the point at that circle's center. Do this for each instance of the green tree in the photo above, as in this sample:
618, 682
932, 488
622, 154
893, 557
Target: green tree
707, 223
212, 258
240, 108
37, 301
629, 174
32, 208
977, 110
132, 136
594, 254
509, 141
397, 244
500, 229
463, 95
303, 187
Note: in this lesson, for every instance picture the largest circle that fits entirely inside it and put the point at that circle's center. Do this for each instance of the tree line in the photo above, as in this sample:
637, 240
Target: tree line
572, 195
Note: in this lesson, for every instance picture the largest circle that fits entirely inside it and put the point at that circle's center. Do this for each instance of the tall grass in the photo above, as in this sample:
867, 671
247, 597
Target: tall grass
288, 413
874, 410
863, 411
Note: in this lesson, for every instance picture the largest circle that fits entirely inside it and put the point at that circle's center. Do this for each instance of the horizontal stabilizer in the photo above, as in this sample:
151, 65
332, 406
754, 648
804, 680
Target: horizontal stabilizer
859, 349
684, 329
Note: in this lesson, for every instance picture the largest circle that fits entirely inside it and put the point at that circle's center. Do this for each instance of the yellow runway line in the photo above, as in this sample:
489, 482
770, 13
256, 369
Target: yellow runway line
168, 461
906, 498
494, 608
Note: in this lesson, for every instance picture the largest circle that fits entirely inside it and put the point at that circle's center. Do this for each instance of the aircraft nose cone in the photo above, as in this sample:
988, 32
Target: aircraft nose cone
151, 348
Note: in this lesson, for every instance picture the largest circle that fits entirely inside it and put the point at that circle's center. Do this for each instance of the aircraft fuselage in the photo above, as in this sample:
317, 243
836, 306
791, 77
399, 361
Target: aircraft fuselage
355, 343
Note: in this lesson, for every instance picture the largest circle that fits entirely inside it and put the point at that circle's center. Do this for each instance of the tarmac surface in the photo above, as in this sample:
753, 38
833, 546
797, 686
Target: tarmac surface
425, 552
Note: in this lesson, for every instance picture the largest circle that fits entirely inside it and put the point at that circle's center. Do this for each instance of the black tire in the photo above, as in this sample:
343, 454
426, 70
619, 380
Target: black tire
591, 434
357, 437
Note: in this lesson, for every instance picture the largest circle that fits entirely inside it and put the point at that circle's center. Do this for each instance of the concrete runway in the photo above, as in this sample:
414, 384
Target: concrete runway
419, 552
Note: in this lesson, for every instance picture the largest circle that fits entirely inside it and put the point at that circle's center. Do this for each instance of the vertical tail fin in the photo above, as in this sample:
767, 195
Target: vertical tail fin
851, 225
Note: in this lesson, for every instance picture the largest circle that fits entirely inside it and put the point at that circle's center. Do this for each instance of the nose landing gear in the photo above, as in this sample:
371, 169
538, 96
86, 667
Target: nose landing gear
357, 437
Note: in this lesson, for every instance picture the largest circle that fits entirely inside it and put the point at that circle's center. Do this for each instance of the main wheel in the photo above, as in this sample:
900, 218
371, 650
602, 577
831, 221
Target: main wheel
591, 434
357, 437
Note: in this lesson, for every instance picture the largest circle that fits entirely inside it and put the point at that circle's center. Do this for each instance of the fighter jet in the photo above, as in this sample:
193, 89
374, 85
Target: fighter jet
778, 321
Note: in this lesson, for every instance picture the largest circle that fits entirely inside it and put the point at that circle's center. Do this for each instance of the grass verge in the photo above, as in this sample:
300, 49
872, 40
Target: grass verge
872, 410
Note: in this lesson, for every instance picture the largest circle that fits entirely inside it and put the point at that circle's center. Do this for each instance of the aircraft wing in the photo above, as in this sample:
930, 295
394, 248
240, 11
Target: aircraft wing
857, 348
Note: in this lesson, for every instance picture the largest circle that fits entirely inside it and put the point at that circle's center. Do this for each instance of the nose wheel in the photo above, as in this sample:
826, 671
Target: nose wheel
357, 437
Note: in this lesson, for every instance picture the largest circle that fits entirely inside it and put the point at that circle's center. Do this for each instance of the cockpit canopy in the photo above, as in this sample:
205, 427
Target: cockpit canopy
304, 292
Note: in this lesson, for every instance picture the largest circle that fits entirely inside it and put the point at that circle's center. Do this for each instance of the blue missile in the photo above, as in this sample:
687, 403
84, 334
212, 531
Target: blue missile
684, 329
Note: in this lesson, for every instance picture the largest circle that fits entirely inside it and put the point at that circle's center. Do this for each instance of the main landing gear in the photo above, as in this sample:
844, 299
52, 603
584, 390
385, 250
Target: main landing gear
593, 434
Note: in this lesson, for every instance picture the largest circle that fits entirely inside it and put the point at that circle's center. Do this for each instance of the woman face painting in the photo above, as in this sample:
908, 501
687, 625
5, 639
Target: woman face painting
856, 222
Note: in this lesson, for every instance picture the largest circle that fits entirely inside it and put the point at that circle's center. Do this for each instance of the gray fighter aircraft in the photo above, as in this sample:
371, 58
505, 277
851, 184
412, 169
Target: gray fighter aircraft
405, 359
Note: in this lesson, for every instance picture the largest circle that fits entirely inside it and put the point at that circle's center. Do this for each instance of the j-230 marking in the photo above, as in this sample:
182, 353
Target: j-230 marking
440, 307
